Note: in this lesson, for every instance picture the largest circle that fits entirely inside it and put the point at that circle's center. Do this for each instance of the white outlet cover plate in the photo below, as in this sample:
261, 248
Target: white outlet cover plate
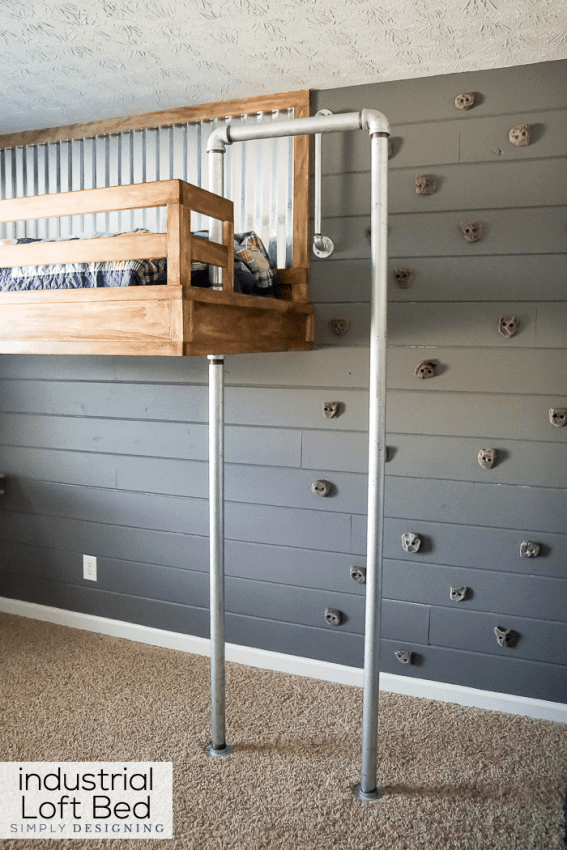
89, 567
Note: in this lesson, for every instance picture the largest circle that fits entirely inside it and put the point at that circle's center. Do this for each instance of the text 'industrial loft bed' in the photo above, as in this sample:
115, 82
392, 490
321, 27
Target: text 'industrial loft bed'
178, 318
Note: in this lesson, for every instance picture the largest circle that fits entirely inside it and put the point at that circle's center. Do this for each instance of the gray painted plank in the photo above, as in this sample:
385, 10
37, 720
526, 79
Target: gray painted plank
357, 316
164, 439
429, 143
552, 325
466, 503
528, 372
525, 372
244, 484
442, 457
501, 593
536, 371
325, 644
78, 536
538, 230
510, 91
46, 536
183, 619
282, 369
150, 581
296, 408
309, 529
412, 410
64, 467
476, 186
79, 398
175, 370
260, 599
505, 278
539, 640
294, 604
325, 367
37, 366
487, 138
508, 416
453, 140
319, 569
402, 621
340, 451
535, 680
285, 410
178, 370
491, 505
523, 463
265, 599
114, 507
470, 325
505, 417
476, 547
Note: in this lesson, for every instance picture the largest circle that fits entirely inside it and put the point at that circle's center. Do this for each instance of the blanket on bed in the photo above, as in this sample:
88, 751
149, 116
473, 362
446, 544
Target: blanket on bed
254, 273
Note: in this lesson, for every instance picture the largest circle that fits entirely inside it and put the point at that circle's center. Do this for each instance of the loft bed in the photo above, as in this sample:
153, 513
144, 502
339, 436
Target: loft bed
172, 319
181, 317
177, 320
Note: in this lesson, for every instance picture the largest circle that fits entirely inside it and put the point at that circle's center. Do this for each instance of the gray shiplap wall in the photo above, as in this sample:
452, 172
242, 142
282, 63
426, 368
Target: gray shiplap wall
107, 456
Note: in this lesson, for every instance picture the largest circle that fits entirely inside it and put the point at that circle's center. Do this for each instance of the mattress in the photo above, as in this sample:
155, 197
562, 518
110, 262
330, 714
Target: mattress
254, 273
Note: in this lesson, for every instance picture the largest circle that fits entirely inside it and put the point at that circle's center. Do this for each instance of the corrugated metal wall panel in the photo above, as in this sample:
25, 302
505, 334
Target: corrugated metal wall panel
259, 179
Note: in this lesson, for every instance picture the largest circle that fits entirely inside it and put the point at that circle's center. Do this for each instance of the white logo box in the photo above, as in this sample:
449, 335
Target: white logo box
78, 799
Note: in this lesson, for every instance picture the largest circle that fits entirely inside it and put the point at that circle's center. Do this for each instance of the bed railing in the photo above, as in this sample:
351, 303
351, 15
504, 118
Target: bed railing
178, 245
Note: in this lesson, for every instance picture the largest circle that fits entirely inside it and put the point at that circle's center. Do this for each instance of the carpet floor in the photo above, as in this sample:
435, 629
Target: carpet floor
455, 778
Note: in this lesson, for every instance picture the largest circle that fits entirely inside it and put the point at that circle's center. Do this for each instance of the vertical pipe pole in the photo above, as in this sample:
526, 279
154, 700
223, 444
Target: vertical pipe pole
218, 747
367, 790
216, 185
323, 246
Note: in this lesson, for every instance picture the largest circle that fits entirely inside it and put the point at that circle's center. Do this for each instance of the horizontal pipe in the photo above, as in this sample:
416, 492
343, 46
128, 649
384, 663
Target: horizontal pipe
369, 119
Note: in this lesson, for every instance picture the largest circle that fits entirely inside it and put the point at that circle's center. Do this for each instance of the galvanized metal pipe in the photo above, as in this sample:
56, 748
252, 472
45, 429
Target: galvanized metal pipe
216, 500
369, 118
216, 178
322, 245
218, 747
368, 790
379, 130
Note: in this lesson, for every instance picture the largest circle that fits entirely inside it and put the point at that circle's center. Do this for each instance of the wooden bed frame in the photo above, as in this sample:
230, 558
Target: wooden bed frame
174, 319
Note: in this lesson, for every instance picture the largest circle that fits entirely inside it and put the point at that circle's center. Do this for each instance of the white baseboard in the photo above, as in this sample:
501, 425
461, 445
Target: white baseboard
311, 668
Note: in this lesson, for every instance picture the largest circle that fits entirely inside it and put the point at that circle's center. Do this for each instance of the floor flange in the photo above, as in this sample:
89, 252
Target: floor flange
225, 752
367, 796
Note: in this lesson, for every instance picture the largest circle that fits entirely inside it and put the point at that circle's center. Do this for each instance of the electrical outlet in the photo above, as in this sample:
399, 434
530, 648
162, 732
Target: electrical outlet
89, 567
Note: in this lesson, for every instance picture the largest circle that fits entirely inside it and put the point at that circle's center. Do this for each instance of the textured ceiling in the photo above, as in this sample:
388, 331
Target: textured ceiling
64, 62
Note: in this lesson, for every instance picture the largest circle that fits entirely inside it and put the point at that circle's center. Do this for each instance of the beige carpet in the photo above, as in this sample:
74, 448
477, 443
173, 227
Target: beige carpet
455, 777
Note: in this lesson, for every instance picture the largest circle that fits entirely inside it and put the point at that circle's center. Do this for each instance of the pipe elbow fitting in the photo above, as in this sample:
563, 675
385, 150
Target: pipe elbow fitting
219, 139
374, 122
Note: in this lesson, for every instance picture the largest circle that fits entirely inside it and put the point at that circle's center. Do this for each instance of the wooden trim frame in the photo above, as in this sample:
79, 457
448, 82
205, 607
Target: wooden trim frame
172, 319
297, 100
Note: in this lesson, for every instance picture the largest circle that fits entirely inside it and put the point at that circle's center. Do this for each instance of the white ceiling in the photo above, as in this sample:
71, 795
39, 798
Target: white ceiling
67, 61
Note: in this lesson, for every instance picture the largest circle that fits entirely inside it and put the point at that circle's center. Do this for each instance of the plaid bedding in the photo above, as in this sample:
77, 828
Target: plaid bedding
81, 275
254, 273
253, 269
